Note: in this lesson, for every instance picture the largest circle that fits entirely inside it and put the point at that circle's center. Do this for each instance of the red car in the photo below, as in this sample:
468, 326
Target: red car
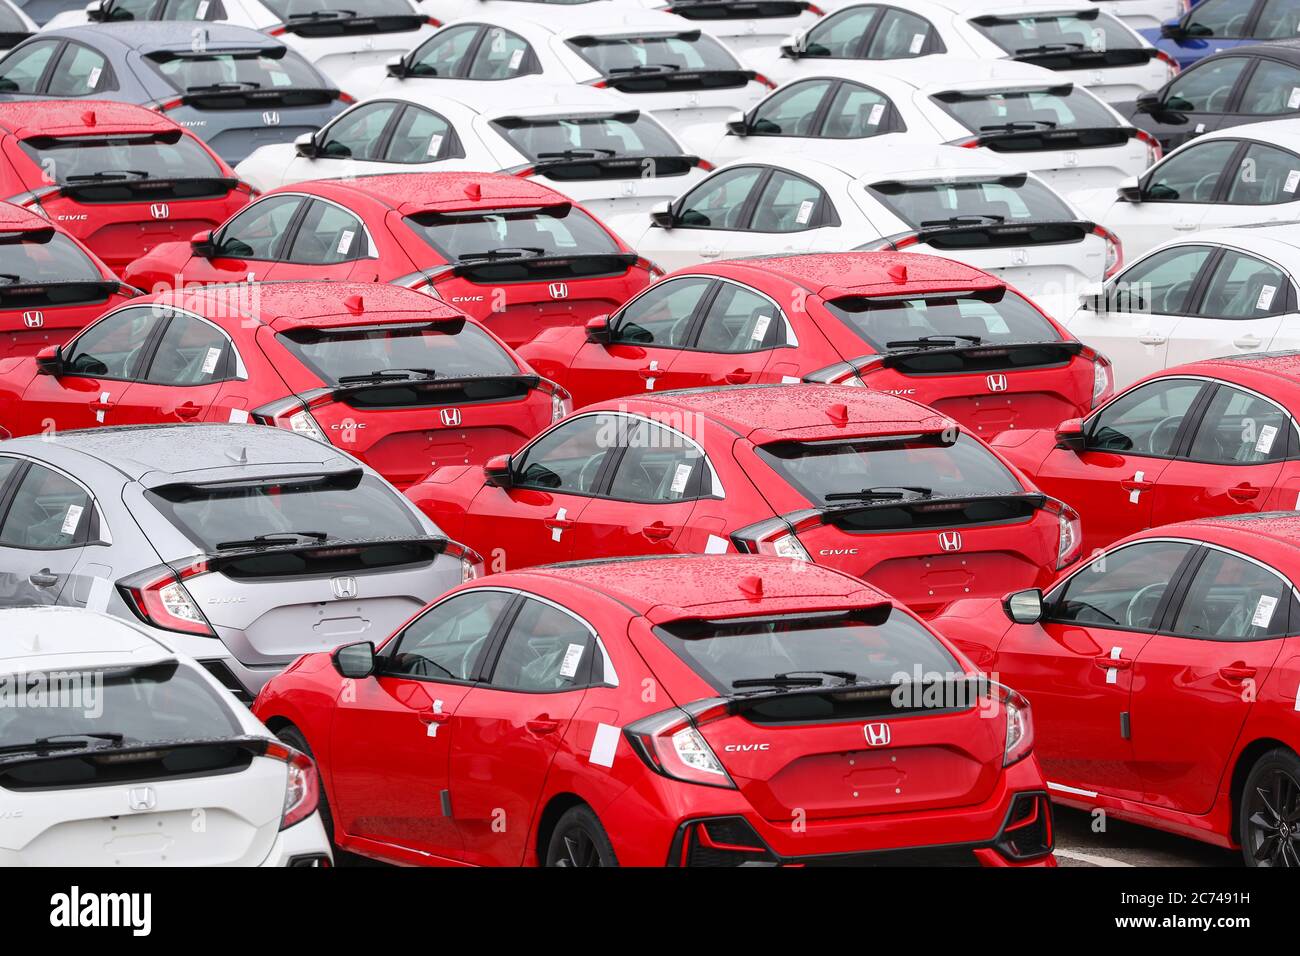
120, 178
509, 723
948, 335
872, 484
403, 382
50, 284
1209, 438
1165, 679
514, 254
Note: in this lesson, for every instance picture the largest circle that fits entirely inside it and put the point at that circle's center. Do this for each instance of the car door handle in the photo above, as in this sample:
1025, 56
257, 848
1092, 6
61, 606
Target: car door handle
434, 717
188, 410
560, 523
98, 406
44, 578
542, 725
1106, 662
1152, 339
738, 377
1248, 342
1243, 493
710, 252
657, 531
1132, 484
1237, 671
650, 372
1184, 226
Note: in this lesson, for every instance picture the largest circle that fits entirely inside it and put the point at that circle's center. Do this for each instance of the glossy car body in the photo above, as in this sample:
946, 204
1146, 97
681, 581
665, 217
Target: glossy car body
1146, 14
919, 326
823, 473
1213, 26
238, 90
1204, 439
120, 178
1180, 712
53, 284
519, 699
402, 382
512, 253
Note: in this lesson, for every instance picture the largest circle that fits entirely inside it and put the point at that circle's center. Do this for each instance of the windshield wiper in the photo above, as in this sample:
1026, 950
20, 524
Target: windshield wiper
581, 152
968, 219
276, 537
1064, 47
62, 742
644, 68
12, 277
107, 174
1017, 125
389, 374
512, 252
795, 679
339, 14
880, 493
231, 86
938, 341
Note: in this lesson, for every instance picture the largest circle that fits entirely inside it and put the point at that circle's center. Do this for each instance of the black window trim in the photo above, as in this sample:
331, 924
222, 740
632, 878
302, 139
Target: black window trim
451, 145
826, 217
42, 81
281, 247
891, 122
502, 622
142, 359
498, 640
108, 77
234, 369
1182, 584
702, 315
933, 42
381, 140
1281, 305
1193, 415
618, 319
301, 217
1199, 281
1233, 97
1292, 437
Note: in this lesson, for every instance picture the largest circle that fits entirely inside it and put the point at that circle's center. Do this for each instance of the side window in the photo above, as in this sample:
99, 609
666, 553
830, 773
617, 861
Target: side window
791, 111
328, 235
1223, 19
444, 52
502, 55
445, 642
1265, 176
841, 35
740, 320
422, 136
1207, 88
1161, 283
21, 70
790, 203
191, 352
1273, 89
546, 650
719, 202
356, 134
1122, 590
257, 231
112, 348
80, 72
1278, 20
1244, 287
1231, 599
857, 112
569, 456
662, 316
659, 466
7, 467
1240, 429
1146, 420
1190, 176
903, 35
195, 10
48, 512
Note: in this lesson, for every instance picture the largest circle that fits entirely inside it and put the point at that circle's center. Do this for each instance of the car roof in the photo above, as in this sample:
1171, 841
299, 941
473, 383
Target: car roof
1248, 533
28, 118
1270, 372
903, 161
834, 275
1288, 49
17, 219
944, 72
41, 638
146, 35
1277, 240
549, 20
537, 99
1273, 132
440, 192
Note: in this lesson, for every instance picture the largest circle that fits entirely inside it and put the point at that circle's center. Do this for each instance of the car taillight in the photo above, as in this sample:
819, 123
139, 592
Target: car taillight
292, 413
895, 242
433, 21
1170, 63
704, 165
760, 78
772, 536
561, 400
1103, 379
653, 270
159, 597
32, 199
1019, 740
1114, 250
1154, 151
814, 9
472, 566
302, 788
671, 744
345, 97
423, 281
846, 373
966, 142
164, 106
1069, 542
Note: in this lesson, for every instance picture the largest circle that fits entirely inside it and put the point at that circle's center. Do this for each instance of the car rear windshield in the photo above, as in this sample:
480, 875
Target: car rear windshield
1070, 32
347, 507
57, 260
158, 702
524, 233
1008, 199
82, 159
887, 325
293, 9
1026, 111
451, 349
630, 55
871, 470
580, 137
275, 68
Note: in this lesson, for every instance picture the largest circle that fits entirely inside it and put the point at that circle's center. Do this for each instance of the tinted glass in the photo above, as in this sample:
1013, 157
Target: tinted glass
790, 111
1207, 88
1123, 588
658, 466
740, 320
1007, 200
83, 159
451, 349
719, 202
569, 456
1244, 287
356, 134
899, 35
616, 56
1266, 175
112, 348
445, 641
1272, 89
1161, 283
191, 353
80, 72
207, 72
662, 316
857, 112
1026, 110
629, 134
328, 235
481, 237
1241, 429
790, 203
21, 70
257, 231
56, 260
443, 53
48, 511
1145, 421
422, 137
500, 56
546, 650
1231, 599
841, 34
910, 323
1031, 33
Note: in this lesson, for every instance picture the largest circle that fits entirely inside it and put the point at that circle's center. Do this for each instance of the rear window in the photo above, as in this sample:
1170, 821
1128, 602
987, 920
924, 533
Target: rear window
581, 137
1024, 111
1057, 32
631, 55
450, 349
1008, 199
904, 469
83, 159
482, 237
275, 68
344, 507
57, 260
891, 324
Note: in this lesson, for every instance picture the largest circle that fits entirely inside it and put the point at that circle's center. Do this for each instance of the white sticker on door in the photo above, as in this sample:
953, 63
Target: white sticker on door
680, 477
345, 242
715, 545
1263, 611
239, 416
1265, 442
569, 666
1136, 493
605, 745
1265, 298
71, 519
559, 516
210, 361
918, 41
805, 212
877, 114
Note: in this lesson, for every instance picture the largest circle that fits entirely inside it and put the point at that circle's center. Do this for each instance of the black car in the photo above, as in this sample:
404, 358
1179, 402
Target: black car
1246, 84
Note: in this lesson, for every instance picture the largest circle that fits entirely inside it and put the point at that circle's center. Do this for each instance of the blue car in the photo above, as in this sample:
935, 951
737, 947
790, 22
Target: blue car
1215, 25
236, 88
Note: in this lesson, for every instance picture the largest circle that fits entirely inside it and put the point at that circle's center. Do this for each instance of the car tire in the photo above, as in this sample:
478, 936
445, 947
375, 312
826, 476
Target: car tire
292, 736
579, 840
1269, 825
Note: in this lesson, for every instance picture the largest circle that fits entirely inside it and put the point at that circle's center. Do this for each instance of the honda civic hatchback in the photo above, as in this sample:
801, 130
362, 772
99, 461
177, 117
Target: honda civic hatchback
1209, 438
240, 546
120, 178
512, 253
1164, 677
941, 333
872, 484
509, 724
404, 383
51, 285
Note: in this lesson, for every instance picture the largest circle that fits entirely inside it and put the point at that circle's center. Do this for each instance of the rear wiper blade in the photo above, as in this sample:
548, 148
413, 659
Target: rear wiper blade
969, 219
581, 152
12, 277
1064, 47
74, 741
274, 538
795, 679
1017, 125
107, 174
644, 68
230, 86
939, 341
339, 14
512, 252
880, 493
389, 374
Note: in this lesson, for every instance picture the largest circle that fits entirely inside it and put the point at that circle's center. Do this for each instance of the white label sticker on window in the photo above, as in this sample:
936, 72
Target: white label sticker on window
71, 518
1265, 297
239, 416
805, 211
1293, 101
605, 745
93, 80
918, 41
877, 114
202, 10
345, 241
435, 145
210, 361
680, 476
1267, 434
1263, 611
715, 545
1292, 181
760, 328
569, 666
516, 58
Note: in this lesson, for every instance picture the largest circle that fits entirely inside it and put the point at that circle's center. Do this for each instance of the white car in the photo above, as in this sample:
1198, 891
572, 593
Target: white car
1078, 41
654, 62
1240, 175
958, 203
1219, 292
15, 26
337, 36
586, 143
1025, 114
126, 753
1144, 14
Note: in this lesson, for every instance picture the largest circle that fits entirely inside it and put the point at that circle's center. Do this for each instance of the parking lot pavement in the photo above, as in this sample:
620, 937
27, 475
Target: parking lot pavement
1124, 844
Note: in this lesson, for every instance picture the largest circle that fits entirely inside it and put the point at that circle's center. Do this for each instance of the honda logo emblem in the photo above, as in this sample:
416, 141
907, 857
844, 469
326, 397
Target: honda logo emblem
159, 210
34, 319
950, 540
141, 798
344, 588
877, 735
558, 290
450, 417
271, 118
997, 383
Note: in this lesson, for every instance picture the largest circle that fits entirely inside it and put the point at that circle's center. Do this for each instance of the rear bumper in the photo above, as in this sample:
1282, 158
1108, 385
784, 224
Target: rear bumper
303, 844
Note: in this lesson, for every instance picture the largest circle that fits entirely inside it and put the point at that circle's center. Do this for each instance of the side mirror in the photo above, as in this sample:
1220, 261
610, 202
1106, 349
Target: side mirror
97, 11
1024, 607
49, 361
1129, 190
201, 244
500, 471
305, 146
397, 67
1173, 30
1148, 102
791, 47
661, 214
1071, 436
355, 660
1093, 297
738, 124
598, 331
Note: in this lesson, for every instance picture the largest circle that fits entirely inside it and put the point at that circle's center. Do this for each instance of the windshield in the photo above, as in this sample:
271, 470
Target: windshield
451, 349
838, 472
525, 233
617, 56
1009, 199
290, 9
892, 324
273, 69
1081, 32
350, 506
59, 260
78, 159
1027, 110
586, 137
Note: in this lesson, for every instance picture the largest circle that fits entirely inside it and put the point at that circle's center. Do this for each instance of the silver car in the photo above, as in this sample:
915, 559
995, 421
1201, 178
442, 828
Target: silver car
242, 546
